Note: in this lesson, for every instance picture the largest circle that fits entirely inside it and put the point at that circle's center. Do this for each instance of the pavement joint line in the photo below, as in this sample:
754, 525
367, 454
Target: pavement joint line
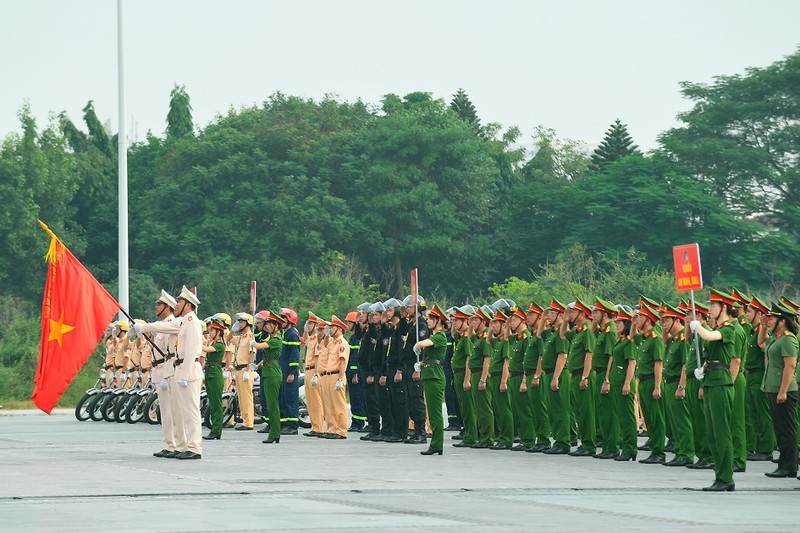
64, 497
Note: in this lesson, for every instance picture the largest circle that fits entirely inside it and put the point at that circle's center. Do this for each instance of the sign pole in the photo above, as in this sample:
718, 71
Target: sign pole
689, 277
415, 300
696, 336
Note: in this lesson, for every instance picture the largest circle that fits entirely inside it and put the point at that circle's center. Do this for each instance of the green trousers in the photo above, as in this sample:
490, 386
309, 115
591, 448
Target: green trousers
501, 405
482, 399
718, 408
560, 410
653, 411
523, 412
758, 421
466, 406
625, 407
738, 430
271, 377
434, 396
584, 411
698, 416
606, 415
214, 386
678, 413
540, 407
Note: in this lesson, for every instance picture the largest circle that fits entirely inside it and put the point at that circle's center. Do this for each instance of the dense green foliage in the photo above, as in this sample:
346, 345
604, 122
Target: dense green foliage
329, 203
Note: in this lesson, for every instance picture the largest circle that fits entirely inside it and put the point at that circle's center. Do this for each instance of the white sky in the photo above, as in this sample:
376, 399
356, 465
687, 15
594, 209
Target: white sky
574, 66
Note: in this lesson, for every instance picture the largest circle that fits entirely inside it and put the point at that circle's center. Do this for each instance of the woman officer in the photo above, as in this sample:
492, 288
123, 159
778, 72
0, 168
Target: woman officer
432, 375
779, 383
270, 323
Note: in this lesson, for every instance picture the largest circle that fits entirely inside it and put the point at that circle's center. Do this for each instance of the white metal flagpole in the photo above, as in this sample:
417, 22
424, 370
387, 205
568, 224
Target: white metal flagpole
122, 156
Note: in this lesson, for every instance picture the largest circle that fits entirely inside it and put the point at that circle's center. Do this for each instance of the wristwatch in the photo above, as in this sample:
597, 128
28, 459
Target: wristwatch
606, 381
584, 378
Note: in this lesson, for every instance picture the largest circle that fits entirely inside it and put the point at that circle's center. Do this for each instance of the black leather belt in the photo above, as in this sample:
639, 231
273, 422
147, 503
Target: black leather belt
239, 367
476, 370
578, 372
329, 373
690, 375
516, 374
748, 371
312, 367
645, 377
672, 379
717, 366
548, 370
117, 367
599, 369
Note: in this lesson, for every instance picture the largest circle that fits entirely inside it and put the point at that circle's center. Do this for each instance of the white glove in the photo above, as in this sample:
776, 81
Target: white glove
164, 384
138, 328
417, 351
699, 373
183, 383
339, 384
225, 374
246, 376
417, 367
103, 374
235, 327
123, 376
694, 324
314, 379
252, 366
252, 344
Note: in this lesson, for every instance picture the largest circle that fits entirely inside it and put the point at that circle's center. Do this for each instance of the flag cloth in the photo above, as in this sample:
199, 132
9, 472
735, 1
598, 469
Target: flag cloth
76, 310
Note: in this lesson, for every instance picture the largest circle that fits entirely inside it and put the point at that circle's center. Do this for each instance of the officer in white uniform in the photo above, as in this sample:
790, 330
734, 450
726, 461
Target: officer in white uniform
188, 374
162, 374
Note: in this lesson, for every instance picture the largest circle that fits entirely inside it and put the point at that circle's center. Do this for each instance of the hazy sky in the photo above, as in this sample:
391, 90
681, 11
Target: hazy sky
574, 66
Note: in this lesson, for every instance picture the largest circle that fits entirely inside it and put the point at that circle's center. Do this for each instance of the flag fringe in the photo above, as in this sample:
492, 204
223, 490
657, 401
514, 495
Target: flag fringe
52, 253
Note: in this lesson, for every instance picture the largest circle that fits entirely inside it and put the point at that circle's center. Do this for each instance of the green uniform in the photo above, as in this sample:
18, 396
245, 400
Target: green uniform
432, 377
271, 378
582, 342
758, 421
651, 349
738, 431
537, 395
214, 386
625, 404
718, 394
677, 410
482, 399
784, 415
605, 411
462, 348
501, 401
552, 345
697, 406
520, 403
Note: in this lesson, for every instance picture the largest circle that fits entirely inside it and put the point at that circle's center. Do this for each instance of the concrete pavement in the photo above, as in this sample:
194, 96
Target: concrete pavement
59, 474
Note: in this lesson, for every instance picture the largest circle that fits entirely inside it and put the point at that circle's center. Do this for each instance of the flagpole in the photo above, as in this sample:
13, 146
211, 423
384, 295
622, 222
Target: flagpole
122, 240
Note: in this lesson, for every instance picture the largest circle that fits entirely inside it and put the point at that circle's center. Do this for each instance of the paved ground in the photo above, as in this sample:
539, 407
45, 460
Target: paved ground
59, 474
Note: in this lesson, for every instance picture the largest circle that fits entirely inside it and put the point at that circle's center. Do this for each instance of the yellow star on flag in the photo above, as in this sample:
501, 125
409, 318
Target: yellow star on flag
57, 330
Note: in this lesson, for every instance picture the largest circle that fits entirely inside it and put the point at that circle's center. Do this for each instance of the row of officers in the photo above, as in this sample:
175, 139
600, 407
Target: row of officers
544, 374
547, 375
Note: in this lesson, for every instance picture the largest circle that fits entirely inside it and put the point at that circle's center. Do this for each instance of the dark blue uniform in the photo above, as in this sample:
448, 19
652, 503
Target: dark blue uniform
453, 414
357, 412
290, 365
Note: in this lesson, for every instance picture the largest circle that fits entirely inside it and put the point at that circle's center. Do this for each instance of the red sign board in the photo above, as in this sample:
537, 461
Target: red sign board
688, 274
414, 288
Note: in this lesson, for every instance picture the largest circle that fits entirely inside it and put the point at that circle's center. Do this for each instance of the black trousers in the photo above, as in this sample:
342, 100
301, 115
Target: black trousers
385, 407
371, 403
415, 398
399, 406
784, 420
450, 400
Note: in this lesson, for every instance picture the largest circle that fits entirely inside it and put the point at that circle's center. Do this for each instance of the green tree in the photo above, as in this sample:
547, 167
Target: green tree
179, 117
616, 144
465, 109
741, 138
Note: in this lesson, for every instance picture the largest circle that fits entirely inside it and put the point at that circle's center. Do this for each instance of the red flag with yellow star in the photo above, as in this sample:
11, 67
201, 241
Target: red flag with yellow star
76, 310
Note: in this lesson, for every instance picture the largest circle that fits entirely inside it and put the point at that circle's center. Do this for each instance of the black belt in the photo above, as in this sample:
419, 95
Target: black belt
690, 375
239, 367
178, 361
717, 366
329, 373
476, 370
645, 377
578, 372
516, 374
672, 379
310, 367
599, 369
548, 370
117, 367
748, 371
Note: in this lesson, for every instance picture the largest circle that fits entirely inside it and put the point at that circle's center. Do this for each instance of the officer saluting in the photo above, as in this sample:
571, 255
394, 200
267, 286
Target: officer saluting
188, 373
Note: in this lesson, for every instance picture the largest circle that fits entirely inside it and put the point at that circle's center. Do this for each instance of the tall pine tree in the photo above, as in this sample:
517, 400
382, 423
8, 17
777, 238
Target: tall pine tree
616, 144
179, 118
463, 106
